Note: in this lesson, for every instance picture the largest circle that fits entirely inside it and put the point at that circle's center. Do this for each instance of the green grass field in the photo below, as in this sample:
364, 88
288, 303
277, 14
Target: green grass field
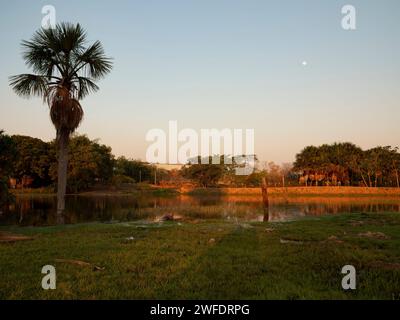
207, 259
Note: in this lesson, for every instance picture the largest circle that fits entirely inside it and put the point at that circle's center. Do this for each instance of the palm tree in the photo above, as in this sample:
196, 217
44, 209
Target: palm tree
66, 69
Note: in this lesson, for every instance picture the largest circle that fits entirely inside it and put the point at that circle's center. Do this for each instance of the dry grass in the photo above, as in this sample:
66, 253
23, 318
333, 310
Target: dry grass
306, 191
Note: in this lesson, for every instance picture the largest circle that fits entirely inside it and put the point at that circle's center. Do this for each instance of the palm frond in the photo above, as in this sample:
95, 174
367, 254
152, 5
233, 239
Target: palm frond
93, 61
85, 86
27, 85
71, 37
50, 48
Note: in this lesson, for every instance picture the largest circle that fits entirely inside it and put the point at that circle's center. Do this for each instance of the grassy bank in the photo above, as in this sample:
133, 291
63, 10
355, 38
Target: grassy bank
301, 191
272, 191
134, 189
210, 260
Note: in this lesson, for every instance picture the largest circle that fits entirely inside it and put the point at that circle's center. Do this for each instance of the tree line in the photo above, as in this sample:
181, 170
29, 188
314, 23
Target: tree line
27, 162
337, 164
348, 165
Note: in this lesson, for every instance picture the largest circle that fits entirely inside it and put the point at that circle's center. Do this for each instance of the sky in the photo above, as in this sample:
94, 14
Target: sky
286, 69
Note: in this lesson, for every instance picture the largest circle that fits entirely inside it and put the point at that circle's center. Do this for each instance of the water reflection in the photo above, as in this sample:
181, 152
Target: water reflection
40, 210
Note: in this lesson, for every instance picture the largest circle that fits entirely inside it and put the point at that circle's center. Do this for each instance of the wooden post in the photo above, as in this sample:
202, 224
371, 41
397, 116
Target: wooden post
264, 190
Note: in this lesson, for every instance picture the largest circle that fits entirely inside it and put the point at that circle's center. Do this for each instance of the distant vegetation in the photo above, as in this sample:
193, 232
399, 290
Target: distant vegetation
8, 155
348, 165
27, 162
31, 162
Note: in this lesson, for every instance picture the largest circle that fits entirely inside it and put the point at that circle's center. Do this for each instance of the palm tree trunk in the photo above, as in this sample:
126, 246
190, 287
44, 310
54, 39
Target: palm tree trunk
62, 141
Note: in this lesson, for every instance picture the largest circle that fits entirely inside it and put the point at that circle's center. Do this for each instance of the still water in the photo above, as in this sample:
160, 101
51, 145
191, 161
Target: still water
40, 210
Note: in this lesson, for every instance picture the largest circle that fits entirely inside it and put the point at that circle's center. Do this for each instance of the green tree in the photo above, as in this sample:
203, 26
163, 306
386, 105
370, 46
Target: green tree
309, 161
347, 164
89, 163
8, 155
395, 165
205, 172
34, 159
66, 69
137, 170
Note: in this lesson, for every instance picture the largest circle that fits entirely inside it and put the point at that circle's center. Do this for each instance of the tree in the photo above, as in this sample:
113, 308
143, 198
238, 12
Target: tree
309, 162
377, 165
347, 164
66, 69
89, 163
34, 158
206, 173
395, 165
8, 155
274, 173
134, 169
286, 169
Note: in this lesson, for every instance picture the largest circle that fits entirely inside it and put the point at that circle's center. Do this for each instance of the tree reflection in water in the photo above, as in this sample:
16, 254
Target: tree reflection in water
40, 210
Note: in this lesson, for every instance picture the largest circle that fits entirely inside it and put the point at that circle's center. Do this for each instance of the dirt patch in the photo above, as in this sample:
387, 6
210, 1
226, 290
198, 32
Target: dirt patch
245, 226
385, 265
10, 237
374, 235
334, 239
169, 217
356, 223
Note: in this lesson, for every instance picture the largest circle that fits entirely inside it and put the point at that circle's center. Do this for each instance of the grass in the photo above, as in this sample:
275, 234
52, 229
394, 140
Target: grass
207, 260
311, 191
145, 188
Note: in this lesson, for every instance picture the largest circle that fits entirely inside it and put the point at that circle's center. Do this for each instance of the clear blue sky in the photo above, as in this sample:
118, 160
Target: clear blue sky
224, 64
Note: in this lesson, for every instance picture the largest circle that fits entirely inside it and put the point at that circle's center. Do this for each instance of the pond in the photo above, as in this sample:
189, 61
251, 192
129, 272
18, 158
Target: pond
39, 210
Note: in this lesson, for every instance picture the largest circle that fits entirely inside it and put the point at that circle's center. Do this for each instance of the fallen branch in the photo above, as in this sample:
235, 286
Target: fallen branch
9, 237
81, 263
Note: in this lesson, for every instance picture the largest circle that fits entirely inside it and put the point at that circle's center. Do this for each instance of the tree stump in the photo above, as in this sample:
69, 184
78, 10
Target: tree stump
264, 190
